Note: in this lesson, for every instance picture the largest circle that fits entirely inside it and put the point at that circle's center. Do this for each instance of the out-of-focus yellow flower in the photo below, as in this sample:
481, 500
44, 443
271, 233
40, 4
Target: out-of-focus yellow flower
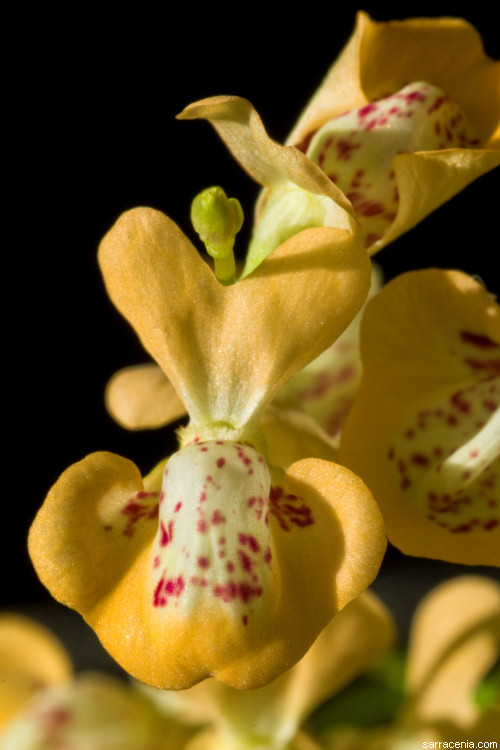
31, 658
42, 707
424, 431
408, 115
454, 643
217, 563
272, 716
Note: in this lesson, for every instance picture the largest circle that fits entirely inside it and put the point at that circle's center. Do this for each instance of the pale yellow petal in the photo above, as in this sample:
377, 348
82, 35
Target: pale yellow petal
141, 397
455, 640
269, 163
94, 712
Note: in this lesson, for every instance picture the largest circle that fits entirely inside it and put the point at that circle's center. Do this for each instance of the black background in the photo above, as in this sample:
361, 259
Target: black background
91, 134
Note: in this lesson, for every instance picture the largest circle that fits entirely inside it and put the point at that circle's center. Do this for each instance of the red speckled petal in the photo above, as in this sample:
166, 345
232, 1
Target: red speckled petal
356, 150
226, 350
96, 712
141, 397
382, 57
325, 389
380, 60
212, 574
424, 432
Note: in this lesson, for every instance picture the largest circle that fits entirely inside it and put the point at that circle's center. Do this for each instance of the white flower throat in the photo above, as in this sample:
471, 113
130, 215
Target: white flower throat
213, 537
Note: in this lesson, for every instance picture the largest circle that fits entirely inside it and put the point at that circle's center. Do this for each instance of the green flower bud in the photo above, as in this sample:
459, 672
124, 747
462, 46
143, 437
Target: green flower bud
217, 219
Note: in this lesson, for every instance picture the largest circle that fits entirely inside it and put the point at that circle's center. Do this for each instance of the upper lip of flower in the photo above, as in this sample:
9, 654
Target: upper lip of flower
225, 349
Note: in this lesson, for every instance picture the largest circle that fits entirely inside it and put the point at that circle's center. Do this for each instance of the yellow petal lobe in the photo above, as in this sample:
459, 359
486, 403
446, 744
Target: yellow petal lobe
210, 574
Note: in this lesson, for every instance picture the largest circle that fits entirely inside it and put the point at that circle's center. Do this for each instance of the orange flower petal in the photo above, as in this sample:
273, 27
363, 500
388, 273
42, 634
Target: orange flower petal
167, 604
225, 349
423, 432
141, 397
270, 164
353, 639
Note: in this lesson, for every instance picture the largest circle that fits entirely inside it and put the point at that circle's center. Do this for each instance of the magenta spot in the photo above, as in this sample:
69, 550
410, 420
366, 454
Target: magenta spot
166, 535
166, 589
230, 591
484, 365
289, 510
221, 462
489, 405
244, 619
247, 540
345, 149
202, 526
136, 511
54, 719
203, 562
230, 567
366, 110
458, 401
217, 518
245, 561
491, 524
419, 459
177, 507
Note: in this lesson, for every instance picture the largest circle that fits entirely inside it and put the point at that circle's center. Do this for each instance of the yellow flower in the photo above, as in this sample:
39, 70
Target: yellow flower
43, 708
31, 658
454, 643
272, 716
216, 564
424, 431
407, 116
